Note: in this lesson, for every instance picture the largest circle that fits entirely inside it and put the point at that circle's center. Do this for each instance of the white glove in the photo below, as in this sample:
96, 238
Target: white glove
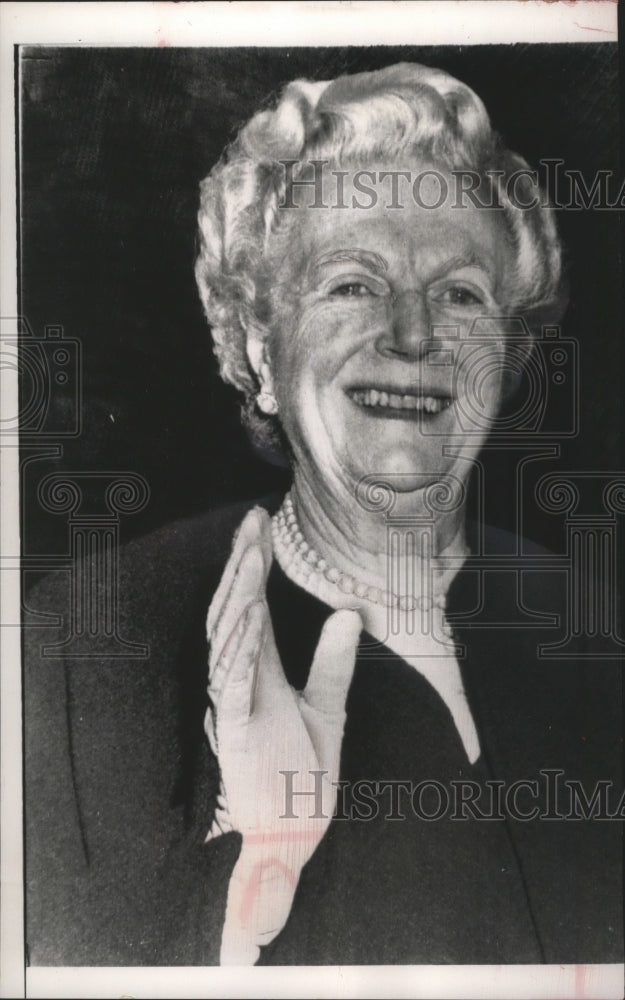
259, 726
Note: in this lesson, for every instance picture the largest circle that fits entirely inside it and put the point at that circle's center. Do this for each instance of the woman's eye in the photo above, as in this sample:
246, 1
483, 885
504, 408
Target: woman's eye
458, 295
351, 289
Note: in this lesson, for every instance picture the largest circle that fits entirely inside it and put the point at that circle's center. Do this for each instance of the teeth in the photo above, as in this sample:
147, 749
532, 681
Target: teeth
371, 397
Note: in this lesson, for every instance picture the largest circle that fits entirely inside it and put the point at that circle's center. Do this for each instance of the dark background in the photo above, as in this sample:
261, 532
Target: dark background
113, 144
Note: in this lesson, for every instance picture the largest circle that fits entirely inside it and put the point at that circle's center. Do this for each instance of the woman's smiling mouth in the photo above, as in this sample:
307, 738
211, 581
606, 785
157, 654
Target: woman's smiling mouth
379, 402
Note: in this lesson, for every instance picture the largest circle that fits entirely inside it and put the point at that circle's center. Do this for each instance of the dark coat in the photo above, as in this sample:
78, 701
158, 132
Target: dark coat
121, 785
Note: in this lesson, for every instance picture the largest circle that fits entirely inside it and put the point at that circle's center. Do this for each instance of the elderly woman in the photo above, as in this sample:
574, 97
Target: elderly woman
353, 240
337, 317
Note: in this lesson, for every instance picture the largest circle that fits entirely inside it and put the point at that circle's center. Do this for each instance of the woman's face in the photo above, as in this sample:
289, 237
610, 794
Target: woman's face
374, 369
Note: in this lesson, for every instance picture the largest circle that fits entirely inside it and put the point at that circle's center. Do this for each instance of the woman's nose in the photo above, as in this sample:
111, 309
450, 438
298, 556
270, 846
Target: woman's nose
408, 330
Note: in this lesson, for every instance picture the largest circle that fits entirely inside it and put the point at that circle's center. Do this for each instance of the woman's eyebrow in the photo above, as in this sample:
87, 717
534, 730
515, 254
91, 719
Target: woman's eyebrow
468, 259
367, 258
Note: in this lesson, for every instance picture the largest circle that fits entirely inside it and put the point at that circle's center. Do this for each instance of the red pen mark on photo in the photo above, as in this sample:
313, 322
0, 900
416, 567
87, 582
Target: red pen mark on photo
255, 880
272, 838
587, 27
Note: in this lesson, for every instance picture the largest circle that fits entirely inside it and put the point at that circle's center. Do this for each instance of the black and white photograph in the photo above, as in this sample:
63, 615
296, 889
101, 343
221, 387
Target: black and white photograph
314, 429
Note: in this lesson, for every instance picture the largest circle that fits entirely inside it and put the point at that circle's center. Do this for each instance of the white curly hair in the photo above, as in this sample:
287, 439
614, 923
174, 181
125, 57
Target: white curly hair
403, 112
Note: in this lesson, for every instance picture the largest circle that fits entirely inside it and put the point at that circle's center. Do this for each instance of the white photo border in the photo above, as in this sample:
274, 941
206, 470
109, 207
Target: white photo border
420, 22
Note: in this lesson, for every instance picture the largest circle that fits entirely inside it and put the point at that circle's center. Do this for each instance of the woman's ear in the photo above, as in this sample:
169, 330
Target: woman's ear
255, 350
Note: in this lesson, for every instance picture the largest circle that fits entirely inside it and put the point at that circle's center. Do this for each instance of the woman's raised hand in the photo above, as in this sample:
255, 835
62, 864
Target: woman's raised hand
260, 728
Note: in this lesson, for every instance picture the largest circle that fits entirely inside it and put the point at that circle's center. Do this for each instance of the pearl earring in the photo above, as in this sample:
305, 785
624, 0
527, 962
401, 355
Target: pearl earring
267, 402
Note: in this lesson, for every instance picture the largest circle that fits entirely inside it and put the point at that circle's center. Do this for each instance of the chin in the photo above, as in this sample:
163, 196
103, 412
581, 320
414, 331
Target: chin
405, 470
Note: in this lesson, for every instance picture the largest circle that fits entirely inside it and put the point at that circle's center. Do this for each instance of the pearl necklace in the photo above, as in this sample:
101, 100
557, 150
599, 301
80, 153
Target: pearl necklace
291, 548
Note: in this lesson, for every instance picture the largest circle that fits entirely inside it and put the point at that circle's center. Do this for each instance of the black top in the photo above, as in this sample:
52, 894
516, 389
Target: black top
121, 784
